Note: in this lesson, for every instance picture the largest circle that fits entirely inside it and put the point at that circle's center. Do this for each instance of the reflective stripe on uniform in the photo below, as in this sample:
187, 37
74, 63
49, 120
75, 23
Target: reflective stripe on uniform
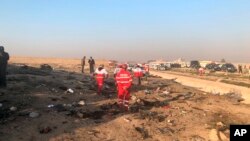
99, 77
124, 82
122, 77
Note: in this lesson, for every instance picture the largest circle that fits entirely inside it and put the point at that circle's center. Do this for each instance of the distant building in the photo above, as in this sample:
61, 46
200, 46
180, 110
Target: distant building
156, 63
180, 61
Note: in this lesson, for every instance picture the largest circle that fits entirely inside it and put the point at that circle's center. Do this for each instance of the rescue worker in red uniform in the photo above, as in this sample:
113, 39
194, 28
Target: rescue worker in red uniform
100, 74
201, 71
124, 83
138, 73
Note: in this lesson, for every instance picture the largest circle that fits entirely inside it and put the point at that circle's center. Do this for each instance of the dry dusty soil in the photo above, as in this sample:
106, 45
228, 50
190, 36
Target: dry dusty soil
36, 106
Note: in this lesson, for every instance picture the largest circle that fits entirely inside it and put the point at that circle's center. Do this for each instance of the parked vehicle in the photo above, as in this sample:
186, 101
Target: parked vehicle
228, 67
213, 67
130, 67
195, 64
153, 66
162, 67
168, 65
175, 65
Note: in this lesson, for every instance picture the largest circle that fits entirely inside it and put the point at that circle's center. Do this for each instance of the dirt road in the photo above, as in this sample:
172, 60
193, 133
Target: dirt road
207, 86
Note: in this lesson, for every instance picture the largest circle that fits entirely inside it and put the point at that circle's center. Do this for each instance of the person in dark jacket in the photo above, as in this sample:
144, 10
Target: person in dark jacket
83, 63
91, 65
4, 57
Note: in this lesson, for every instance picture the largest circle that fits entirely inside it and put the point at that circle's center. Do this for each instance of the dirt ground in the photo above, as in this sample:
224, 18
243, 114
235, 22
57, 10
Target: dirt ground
38, 106
219, 76
214, 87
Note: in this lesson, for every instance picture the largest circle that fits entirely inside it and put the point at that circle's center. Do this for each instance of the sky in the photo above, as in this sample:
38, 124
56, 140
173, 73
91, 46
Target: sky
128, 30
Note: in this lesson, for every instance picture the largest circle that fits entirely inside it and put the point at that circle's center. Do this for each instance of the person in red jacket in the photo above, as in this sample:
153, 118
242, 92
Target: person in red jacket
138, 73
201, 71
124, 82
100, 74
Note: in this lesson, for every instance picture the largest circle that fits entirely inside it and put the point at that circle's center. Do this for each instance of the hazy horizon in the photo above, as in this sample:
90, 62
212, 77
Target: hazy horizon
127, 30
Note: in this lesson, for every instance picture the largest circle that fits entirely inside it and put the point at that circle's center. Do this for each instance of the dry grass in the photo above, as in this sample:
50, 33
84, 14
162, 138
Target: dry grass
57, 63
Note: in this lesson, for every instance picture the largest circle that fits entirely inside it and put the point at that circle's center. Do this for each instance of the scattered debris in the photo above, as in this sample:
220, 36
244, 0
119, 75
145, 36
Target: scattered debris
166, 92
166, 130
166, 107
96, 115
197, 138
127, 120
158, 89
45, 130
81, 103
147, 91
235, 96
41, 85
138, 101
171, 122
144, 114
150, 113
60, 107
70, 91
54, 98
13, 108
220, 124
106, 86
79, 115
51, 106
134, 98
93, 132
46, 67
142, 131
34, 115
64, 88
54, 90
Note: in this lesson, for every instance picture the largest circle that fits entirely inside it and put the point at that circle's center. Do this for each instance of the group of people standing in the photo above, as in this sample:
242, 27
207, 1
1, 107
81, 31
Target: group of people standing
123, 80
243, 70
91, 62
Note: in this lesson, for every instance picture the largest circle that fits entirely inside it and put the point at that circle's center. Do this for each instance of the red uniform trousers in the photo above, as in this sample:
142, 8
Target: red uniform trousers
123, 95
99, 80
124, 81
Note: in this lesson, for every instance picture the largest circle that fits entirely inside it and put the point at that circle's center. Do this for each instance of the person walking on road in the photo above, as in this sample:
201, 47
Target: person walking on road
124, 83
